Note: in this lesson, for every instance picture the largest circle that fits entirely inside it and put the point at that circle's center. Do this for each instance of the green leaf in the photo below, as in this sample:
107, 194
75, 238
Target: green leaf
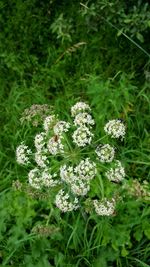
124, 252
119, 32
127, 20
148, 23
147, 233
140, 37
138, 235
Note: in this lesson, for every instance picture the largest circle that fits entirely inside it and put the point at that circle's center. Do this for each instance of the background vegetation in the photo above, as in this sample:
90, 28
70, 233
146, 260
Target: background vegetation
57, 52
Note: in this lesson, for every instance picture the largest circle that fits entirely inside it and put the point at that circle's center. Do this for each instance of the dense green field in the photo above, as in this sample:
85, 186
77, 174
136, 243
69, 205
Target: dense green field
60, 53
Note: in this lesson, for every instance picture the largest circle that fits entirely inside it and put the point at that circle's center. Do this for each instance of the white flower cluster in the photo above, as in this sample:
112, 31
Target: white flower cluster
64, 203
83, 119
82, 136
115, 128
80, 187
41, 150
116, 174
38, 179
22, 154
60, 127
79, 177
67, 174
105, 153
41, 158
79, 107
86, 169
39, 141
104, 207
49, 122
55, 145
36, 113
33, 177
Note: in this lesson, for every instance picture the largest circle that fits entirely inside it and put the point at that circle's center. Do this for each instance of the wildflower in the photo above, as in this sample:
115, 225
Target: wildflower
137, 189
47, 178
67, 174
115, 128
45, 230
64, 203
105, 153
35, 113
82, 136
86, 169
83, 119
17, 185
39, 179
34, 179
41, 158
116, 174
79, 107
104, 207
55, 146
39, 141
80, 187
60, 127
49, 122
22, 154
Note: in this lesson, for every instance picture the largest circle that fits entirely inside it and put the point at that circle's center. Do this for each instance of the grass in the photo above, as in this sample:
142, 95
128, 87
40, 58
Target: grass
60, 76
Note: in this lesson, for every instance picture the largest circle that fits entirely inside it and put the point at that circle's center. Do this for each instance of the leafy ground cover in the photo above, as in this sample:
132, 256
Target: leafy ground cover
58, 54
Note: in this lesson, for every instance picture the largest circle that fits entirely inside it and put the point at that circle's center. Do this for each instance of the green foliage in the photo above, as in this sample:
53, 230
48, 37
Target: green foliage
57, 53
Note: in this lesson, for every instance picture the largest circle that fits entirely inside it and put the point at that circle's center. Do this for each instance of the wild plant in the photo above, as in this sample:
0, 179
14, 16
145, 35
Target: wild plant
80, 169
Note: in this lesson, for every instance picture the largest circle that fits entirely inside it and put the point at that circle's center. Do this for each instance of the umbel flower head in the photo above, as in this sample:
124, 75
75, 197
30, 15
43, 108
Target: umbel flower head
49, 122
105, 153
22, 154
83, 119
65, 162
115, 128
79, 107
116, 174
82, 136
65, 203
104, 207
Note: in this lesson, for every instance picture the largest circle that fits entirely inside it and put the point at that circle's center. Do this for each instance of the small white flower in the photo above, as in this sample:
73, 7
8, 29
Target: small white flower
79, 107
48, 178
80, 187
86, 169
39, 179
55, 146
115, 128
60, 127
105, 207
82, 136
83, 119
34, 178
22, 154
49, 122
116, 174
67, 174
41, 158
64, 203
105, 153
39, 141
